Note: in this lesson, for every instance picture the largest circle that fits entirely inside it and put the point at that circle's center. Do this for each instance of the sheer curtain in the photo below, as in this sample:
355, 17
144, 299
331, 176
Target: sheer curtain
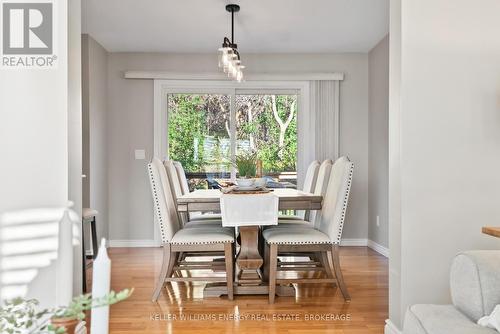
325, 114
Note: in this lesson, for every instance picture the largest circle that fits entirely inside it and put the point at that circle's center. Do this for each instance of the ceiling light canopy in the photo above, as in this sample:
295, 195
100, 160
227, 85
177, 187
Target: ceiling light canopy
229, 57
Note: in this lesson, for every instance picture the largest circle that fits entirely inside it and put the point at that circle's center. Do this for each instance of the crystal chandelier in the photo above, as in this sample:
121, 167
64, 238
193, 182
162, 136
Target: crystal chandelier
229, 57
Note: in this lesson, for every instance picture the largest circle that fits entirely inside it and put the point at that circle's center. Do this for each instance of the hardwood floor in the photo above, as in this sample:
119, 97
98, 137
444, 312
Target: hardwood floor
317, 308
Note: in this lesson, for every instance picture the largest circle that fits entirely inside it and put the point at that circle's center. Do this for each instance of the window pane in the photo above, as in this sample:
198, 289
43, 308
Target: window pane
198, 136
267, 125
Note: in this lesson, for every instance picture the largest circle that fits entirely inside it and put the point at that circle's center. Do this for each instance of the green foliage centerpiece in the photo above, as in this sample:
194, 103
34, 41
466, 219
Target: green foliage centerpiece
246, 164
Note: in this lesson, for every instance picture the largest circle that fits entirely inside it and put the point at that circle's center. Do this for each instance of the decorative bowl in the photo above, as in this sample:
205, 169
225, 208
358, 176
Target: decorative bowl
245, 183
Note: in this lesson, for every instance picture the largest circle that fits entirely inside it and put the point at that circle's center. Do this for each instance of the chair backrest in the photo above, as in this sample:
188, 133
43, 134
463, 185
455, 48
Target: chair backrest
320, 189
174, 178
309, 184
311, 175
181, 174
336, 198
163, 203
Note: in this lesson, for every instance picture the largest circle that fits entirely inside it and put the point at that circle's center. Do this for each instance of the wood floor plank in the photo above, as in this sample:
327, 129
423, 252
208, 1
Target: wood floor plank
316, 308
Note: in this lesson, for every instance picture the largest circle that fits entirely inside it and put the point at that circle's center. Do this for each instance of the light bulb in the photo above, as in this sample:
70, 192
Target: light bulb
225, 58
221, 62
234, 70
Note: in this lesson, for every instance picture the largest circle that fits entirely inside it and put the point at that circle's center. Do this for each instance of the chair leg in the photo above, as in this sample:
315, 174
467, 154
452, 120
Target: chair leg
229, 257
84, 259
176, 258
273, 264
94, 238
168, 261
265, 270
334, 257
323, 257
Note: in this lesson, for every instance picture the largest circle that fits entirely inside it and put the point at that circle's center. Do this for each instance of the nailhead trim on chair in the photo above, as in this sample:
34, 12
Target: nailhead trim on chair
201, 243
157, 202
344, 206
344, 210
299, 243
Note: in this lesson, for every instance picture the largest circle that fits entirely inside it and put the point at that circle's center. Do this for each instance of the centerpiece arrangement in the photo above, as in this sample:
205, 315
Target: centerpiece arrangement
249, 171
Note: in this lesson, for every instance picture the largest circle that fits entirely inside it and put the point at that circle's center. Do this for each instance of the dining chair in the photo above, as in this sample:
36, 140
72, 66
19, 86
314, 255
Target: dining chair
88, 216
320, 188
181, 175
192, 216
202, 241
308, 187
177, 189
324, 238
311, 177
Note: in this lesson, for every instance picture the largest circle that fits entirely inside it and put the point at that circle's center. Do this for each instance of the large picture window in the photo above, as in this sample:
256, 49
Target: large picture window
205, 131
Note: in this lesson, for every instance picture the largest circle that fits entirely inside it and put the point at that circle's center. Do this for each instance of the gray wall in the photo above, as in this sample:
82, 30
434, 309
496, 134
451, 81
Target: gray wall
378, 143
130, 127
39, 146
448, 158
95, 129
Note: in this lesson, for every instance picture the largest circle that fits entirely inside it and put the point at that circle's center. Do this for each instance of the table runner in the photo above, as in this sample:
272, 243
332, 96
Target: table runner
249, 210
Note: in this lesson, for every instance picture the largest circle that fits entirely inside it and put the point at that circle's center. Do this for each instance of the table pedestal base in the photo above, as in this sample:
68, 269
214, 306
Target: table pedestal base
219, 289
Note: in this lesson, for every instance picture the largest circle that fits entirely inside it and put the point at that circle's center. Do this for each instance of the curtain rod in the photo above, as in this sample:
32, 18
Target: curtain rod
167, 75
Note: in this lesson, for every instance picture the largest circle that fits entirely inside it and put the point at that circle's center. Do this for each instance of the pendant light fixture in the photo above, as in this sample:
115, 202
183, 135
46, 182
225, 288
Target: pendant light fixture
229, 57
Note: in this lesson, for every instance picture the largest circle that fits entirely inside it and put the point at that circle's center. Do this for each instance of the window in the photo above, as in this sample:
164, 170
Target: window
267, 124
205, 124
199, 136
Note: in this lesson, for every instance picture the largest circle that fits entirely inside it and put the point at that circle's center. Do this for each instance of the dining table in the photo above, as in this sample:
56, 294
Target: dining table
493, 231
249, 259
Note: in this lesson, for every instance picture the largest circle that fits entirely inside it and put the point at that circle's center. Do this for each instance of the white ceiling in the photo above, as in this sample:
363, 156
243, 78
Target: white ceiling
262, 26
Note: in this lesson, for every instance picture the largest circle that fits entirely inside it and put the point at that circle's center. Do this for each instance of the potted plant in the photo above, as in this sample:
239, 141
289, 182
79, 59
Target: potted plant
246, 164
68, 317
20, 316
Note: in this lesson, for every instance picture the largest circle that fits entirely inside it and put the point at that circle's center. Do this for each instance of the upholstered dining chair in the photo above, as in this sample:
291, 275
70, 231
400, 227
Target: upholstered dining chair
311, 176
183, 183
324, 238
202, 241
308, 187
320, 188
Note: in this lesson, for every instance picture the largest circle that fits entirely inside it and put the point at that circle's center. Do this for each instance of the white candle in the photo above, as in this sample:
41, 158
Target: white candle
101, 279
64, 278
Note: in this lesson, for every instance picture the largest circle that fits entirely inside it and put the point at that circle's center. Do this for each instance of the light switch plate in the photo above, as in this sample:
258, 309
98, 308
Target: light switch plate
140, 154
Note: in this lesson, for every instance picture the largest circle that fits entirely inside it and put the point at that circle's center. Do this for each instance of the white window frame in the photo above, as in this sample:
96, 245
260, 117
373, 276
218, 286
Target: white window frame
305, 144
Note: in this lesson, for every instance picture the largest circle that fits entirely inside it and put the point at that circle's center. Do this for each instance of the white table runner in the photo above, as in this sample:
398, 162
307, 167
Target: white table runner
249, 209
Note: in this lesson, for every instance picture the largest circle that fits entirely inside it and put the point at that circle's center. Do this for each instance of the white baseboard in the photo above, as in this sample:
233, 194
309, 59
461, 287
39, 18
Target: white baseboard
366, 243
345, 242
378, 248
390, 328
354, 242
132, 243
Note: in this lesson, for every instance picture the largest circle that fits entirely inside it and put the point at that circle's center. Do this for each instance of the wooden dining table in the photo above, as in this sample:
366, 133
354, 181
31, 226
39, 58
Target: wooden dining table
249, 259
493, 231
